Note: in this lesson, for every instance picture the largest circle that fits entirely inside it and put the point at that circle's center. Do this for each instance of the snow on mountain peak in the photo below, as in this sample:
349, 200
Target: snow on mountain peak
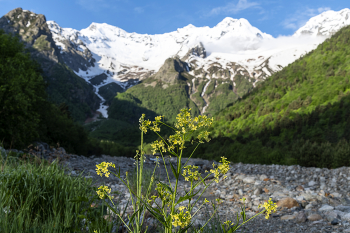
124, 56
189, 26
54, 27
226, 22
326, 23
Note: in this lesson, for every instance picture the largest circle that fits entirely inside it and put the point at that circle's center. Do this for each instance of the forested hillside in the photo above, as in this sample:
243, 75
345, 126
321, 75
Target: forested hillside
300, 115
27, 115
64, 86
162, 94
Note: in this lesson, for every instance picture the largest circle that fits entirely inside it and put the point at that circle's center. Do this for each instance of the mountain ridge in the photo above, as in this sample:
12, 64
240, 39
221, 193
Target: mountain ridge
64, 86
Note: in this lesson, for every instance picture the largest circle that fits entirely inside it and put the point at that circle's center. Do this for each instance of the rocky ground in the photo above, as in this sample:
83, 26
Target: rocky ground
309, 199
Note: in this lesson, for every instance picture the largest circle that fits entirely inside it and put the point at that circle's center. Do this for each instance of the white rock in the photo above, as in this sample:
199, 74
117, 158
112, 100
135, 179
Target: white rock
262, 177
346, 217
326, 208
240, 177
312, 183
309, 206
336, 194
257, 182
249, 180
343, 208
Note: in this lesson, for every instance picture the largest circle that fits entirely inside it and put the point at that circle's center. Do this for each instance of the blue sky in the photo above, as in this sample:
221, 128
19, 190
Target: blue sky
275, 17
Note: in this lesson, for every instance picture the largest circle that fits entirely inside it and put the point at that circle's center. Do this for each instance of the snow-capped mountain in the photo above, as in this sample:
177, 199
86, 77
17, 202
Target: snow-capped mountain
325, 24
233, 47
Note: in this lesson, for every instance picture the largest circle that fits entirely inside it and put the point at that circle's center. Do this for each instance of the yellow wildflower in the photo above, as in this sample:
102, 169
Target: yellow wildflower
192, 173
182, 218
103, 168
102, 190
269, 207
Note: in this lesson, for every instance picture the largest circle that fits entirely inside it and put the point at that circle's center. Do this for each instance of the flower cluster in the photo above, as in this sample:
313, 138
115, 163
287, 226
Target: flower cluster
203, 135
221, 169
158, 145
164, 194
103, 168
185, 122
153, 198
153, 125
176, 139
182, 218
191, 172
184, 125
269, 207
144, 124
102, 190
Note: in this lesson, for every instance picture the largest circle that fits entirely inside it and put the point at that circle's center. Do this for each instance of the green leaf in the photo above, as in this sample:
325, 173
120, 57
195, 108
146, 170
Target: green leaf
186, 197
134, 214
82, 216
185, 229
155, 213
174, 171
79, 199
244, 216
165, 186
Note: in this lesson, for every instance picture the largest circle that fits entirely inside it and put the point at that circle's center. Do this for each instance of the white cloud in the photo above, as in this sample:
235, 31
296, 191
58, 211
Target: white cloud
323, 9
139, 9
246, 47
233, 8
301, 16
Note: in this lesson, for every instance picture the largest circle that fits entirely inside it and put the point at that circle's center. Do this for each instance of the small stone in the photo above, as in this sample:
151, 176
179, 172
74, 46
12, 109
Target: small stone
330, 215
335, 221
240, 177
337, 195
326, 208
287, 202
257, 191
308, 196
303, 203
266, 190
249, 180
257, 182
346, 217
288, 217
299, 188
343, 208
314, 217
308, 206
301, 217
312, 183
240, 192
263, 177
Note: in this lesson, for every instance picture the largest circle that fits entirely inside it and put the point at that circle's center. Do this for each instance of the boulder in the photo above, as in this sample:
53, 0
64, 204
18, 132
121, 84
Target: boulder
287, 202
314, 217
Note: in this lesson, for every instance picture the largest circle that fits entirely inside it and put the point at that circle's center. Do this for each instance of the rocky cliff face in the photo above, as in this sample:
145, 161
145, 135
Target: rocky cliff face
171, 70
64, 85
33, 30
73, 51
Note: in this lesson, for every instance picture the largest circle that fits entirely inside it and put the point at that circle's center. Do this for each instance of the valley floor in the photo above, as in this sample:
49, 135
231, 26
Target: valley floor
309, 199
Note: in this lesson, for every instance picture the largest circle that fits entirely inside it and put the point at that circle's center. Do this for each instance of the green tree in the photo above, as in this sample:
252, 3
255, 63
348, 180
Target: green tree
22, 91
